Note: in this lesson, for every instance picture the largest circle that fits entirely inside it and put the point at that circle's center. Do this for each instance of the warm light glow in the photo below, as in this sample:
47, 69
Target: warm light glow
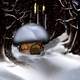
27, 47
35, 8
43, 8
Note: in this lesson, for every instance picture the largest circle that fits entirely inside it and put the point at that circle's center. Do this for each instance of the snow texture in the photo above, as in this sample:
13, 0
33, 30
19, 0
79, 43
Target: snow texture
53, 65
53, 62
69, 75
16, 72
30, 32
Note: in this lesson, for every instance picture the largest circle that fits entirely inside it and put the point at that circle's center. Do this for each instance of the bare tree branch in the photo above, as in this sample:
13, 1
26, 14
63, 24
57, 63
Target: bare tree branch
8, 27
74, 26
71, 19
11, 15
61, 3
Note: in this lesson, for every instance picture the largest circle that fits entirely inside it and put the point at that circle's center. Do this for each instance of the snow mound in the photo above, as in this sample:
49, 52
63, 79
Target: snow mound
69, 75
30, 32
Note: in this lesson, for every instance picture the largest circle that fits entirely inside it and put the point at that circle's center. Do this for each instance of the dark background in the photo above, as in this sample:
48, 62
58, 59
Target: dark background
15, 7
11, 18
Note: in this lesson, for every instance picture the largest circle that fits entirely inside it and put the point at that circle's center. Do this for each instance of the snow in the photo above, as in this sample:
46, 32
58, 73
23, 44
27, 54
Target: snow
16, 72
54, 61
53, 65
69, 75
63, 37
30, 32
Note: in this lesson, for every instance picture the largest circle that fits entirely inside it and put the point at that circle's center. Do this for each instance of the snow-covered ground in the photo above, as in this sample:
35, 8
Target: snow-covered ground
69, 75
10, 71
54, 65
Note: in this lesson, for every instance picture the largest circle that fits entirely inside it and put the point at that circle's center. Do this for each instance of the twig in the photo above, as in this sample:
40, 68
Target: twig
11, 15
8, 27
61, 3
74, 26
